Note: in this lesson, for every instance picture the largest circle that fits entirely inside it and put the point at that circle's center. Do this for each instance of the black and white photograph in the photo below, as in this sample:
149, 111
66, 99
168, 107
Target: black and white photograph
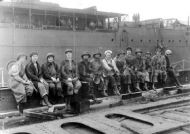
94, 67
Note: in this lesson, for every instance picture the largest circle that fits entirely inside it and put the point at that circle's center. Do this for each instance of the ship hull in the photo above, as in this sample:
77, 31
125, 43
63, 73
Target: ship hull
16, 40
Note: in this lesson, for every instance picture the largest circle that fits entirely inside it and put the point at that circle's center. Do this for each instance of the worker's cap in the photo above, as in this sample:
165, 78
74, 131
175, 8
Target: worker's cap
148, 53
107, 51
97, 53
86, 53
68, 50
120, 52
138, 50
129, 48
50, 55
33, 53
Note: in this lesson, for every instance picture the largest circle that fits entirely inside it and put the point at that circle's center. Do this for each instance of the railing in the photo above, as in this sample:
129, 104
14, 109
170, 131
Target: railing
180, 65
24, 26
53, 27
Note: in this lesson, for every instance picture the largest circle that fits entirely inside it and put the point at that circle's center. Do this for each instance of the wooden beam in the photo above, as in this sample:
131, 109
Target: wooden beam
39, 115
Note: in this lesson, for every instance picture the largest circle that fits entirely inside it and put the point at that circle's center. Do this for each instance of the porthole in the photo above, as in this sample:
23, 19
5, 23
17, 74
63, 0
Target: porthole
149, 41
75, 127
169, 41
131, 40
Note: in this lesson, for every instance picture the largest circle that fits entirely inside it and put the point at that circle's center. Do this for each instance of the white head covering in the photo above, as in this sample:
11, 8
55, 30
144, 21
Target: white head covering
168, 52
108, 51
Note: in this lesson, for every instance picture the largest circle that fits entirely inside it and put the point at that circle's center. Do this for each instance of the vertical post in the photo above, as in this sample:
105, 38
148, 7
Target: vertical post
96, 20
59, 22
45, 18
86, 21
119, 21
188, 23
108, 23
183, 64
30, 18
2, 78
13, 12
74, 28
104, 23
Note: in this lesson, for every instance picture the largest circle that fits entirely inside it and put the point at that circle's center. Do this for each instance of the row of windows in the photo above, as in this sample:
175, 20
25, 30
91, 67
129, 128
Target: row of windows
67, 22
169, 41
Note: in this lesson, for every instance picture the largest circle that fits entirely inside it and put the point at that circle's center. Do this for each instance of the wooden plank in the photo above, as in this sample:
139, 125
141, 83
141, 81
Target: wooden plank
131, 128
39, 115
14, 120
131, 95
176, 117
187, 114
178, 132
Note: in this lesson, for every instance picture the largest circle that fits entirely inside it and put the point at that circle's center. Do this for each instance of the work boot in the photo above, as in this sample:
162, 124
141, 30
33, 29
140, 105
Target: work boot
137, 87
60, 95
96, 101
129, 89
103, 94
145, 87
153, 87
67, 104
42, 102
20, 108
47, 101
178, 84
116, 91
68, 107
